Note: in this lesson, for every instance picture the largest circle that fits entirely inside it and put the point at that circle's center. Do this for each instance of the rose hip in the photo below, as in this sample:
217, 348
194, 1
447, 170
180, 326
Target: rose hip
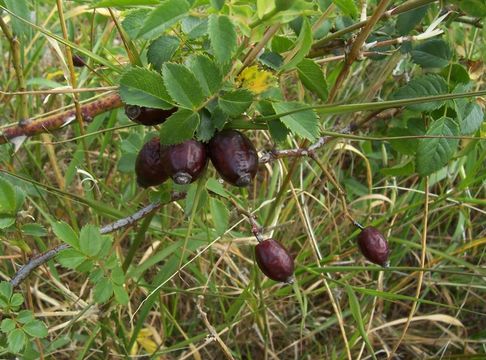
78, 61
148, 167
148, 116
274, 260
234, 157
184, 162
374, 246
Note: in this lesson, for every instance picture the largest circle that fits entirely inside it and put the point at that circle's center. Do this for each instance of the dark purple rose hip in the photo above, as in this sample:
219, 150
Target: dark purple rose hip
78, 61
234, 157
185, 162
274, 260
147, 116
148, 167
374, 246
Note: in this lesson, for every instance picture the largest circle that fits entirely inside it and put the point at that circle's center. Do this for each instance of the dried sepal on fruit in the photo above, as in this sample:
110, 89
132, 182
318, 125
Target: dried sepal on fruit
234, 157
148, 168
148, 116
184, 162
274, 261
374, 246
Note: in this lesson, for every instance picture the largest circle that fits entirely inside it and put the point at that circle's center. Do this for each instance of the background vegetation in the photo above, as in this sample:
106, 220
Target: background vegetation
181, 281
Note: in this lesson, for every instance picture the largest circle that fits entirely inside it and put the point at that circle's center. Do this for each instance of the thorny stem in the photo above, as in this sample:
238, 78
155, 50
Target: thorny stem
57, 121
40, 259
112, 101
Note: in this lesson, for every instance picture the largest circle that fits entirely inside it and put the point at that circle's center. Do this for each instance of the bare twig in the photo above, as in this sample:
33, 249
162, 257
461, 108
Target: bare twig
34, 263
407, 6
57, 121
274, 154
37, 261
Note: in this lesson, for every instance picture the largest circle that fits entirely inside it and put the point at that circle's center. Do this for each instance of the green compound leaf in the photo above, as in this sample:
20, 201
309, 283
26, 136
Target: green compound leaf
302, 123
179, 127
36, 328
222, 35
236, 102
428, 85
207, 73
434, 53
143, 87
161, 50
435, 153
65, 233
16, 340
71, 258
163, 17
182, 85
103, 291
90, 241
312, 77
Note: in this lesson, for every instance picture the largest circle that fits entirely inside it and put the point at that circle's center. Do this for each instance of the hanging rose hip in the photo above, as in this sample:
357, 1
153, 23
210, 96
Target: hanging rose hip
234, 157
184, 162
78, 61
374, 246
274, 261
148, 167
147, 116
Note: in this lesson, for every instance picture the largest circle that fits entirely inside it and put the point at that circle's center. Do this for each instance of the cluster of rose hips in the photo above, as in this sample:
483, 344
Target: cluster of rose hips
236, 160
231, 152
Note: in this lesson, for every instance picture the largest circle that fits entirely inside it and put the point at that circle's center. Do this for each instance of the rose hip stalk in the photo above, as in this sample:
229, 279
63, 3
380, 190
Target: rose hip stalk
148, 116
234, 157
148, 167
374, 246
185, 162
274, 261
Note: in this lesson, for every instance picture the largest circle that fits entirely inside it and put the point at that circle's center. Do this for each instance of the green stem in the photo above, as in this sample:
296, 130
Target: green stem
265, 17
349, 108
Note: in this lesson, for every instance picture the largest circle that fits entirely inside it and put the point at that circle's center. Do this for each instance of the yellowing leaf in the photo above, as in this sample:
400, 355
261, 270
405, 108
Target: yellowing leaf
54, 74
256, 80
148, 344
145, 340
